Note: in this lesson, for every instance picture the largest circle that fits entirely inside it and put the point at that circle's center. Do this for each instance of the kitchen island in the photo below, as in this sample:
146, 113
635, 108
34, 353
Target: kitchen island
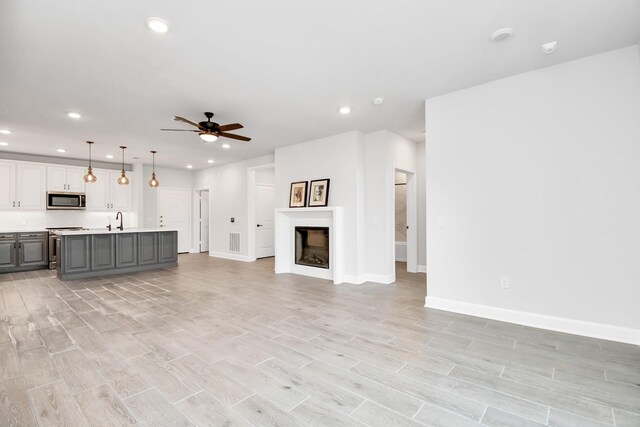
90, 253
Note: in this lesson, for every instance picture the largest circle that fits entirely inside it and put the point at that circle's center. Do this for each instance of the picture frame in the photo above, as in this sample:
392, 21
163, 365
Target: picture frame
319, 192
298, 194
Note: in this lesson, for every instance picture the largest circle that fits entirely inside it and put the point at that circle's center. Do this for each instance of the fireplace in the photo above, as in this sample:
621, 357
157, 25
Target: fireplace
312, 246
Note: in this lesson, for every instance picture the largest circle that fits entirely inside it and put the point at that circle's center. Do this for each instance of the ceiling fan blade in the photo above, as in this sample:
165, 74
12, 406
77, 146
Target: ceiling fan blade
230, 126
182, 119
233, 136
182, 130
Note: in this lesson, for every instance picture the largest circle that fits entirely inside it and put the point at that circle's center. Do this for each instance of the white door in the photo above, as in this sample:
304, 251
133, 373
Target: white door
174, 213
7, 185
75, 180
265, 210
98, 192
204, 221
120, 194
56, 178
32, 187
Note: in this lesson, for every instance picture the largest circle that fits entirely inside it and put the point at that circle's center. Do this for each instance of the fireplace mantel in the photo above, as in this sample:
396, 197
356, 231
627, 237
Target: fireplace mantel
285, 222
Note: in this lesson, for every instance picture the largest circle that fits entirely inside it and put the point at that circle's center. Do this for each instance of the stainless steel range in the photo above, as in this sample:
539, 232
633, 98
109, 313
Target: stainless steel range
53, 248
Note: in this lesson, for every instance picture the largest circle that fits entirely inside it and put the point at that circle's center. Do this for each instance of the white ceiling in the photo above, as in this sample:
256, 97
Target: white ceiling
282, 67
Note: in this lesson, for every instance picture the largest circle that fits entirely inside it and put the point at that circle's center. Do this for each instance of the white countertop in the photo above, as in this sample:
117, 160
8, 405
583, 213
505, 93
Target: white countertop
22, 230
113, 231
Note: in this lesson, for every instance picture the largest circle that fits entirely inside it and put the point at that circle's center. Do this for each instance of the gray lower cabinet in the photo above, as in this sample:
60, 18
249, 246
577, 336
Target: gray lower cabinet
103, 252
88, 255
24, 251
168, 243
147, 248
8, 258
126, 250
76, 254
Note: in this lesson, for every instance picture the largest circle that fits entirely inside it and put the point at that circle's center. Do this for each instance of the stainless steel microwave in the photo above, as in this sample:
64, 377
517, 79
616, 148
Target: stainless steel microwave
66, 200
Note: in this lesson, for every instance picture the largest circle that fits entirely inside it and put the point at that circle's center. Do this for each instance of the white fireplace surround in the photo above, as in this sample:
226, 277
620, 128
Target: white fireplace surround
287, 220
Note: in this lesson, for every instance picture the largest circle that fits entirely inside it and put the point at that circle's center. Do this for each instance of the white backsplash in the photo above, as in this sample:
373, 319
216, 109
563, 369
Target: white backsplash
39, 220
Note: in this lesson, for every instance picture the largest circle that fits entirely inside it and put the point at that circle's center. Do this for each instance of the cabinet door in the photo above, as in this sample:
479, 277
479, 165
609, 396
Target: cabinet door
147, 248
7, 253
98, 192
168, 244
126, 250
103, 252
56, 178
75, 180
120, 194
33, 252
75, 254
31, 187
7, 185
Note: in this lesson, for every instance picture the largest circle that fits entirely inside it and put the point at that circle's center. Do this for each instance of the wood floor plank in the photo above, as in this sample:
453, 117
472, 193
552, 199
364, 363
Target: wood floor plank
77, 371
101, 407
15, 409
260, 412
435, 416
54, 405
498, 418
165, 377
9, 364
151, 409
372, 414
316, 413
38, 367
206, 411
56, 339
119, 374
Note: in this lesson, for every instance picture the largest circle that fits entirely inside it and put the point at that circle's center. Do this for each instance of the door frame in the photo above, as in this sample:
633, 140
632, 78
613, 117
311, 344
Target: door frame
190, 206
195, 221
412, 219
251, 209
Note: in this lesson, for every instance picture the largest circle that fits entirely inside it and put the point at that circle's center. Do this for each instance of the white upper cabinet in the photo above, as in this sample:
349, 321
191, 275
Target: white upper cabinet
106, 194
7, 185
60, 178
31, 189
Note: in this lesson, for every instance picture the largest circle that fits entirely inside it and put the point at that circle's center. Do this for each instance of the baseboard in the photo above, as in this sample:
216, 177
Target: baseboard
558, 324
363, 278
233, 257
422, 269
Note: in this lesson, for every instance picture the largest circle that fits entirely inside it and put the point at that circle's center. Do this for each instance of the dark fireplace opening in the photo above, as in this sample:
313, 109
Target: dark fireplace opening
312, 246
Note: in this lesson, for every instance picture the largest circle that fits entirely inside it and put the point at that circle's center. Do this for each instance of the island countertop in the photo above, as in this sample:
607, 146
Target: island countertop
114, 230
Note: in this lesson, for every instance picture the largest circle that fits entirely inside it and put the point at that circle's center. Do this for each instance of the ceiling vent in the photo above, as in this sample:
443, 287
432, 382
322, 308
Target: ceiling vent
501, 35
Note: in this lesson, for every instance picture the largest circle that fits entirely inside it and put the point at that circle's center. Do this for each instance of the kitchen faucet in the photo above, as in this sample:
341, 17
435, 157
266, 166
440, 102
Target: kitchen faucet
120, 227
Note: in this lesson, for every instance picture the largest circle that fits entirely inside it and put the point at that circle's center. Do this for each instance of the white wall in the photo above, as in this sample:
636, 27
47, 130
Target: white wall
227, 186
421, 178
339, 158
537, 177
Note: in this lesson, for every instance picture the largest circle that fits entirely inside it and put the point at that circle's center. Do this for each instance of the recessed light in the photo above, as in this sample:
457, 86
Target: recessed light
210, 161
61, 150
5, 131
109, 156
501, 34
189, 166
378, 101
227, 146
73, 115
158, 25
4, 144
550, 47
345, 110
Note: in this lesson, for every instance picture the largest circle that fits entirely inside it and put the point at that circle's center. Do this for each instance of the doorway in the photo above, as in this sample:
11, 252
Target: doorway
405, 220
174, 212
202, 204
261, 210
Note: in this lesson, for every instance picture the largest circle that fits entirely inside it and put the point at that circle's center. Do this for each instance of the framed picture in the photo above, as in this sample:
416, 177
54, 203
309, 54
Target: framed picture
298, 195
319, 192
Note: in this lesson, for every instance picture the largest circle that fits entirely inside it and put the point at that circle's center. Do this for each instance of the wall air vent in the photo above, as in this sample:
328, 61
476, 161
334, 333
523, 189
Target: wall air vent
234, 242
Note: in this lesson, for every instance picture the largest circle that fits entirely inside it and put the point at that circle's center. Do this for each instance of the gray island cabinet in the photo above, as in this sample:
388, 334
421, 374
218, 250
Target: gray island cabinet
88, 254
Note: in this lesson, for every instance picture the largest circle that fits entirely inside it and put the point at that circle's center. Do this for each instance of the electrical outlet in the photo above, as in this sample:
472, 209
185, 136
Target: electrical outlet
439, 222
504, 282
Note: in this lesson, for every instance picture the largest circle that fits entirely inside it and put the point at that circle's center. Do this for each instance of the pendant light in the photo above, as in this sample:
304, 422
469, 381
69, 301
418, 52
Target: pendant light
154, 182
90, 177
123, 180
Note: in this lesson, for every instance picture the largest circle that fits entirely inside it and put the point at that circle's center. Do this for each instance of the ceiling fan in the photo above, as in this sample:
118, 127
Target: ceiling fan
210, 131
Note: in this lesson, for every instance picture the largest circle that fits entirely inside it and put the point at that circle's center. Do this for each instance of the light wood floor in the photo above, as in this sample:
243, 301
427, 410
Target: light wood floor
224, 343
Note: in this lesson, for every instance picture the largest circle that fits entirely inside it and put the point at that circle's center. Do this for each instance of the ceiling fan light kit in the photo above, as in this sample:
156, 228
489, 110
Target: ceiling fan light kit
123, 180
153, 183
90, 177
210, 131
